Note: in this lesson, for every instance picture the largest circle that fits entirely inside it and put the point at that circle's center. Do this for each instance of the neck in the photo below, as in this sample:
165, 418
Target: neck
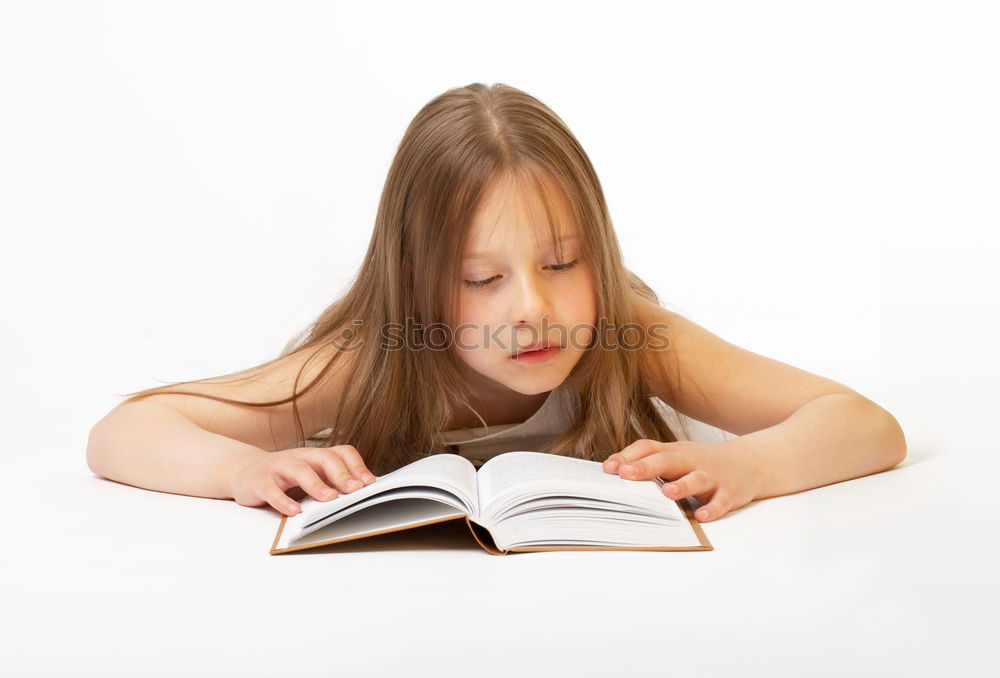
497, 404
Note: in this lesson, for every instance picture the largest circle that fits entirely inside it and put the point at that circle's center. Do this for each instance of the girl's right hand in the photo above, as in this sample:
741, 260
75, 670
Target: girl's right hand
263, 479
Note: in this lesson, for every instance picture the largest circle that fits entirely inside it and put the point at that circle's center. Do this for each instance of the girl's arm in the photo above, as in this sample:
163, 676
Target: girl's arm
152, 445
190, 445
796, 430
829, 439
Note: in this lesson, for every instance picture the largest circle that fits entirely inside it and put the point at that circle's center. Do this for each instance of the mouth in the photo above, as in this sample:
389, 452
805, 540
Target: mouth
537, 347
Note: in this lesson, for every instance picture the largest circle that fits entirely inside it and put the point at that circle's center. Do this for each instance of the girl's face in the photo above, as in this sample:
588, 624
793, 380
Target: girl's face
516, 292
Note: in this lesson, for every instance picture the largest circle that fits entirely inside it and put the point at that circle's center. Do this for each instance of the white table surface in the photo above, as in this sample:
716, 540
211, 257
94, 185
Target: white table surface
888, 574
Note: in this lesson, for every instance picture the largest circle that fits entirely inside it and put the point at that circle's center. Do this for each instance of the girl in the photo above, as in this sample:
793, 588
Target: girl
493, 312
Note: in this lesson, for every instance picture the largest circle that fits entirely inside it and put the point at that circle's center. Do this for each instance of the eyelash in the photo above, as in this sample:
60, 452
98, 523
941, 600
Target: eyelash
479, 284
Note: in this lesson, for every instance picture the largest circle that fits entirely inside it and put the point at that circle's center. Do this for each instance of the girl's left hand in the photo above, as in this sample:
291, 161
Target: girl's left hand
718, 475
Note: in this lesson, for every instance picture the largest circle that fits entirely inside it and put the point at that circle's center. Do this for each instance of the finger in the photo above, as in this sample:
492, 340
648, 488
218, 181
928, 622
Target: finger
355, 463
273, 495
696, 482
668, 464
303, 475
715, 509
336, 473
636, 450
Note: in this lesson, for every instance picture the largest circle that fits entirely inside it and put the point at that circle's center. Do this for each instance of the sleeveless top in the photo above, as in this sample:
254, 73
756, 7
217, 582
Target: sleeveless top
549, 421
479, 445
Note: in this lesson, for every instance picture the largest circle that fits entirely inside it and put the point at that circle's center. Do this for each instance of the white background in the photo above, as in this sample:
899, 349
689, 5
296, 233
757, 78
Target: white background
186, 185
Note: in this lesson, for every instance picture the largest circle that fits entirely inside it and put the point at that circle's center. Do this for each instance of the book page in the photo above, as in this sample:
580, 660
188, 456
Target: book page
399, 513
539, 500
450, 473
512, 478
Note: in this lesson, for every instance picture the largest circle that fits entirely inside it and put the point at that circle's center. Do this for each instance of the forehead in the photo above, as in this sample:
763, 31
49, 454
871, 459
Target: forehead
520, 208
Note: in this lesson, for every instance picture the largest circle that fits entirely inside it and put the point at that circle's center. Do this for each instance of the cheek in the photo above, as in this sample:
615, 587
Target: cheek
475, 312
584, 319
582, 299
466, 340
469, 329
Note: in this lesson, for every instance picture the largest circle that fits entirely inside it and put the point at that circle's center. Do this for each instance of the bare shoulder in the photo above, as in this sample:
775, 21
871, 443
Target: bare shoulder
270, 427
719, 383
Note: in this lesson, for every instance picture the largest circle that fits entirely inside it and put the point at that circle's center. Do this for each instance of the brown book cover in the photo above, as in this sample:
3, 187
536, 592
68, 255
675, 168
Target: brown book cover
485, 540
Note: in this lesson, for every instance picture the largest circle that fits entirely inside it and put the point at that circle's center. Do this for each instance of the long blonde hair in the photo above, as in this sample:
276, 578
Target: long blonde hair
402, 400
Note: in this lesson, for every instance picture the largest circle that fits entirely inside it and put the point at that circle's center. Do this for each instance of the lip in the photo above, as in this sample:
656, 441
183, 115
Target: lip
537, 346
540, 355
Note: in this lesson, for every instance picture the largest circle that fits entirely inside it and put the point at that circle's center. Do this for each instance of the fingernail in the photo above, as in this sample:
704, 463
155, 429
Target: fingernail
629, 469
292, 508
703, 514
353, 483
328, 492
612, 464
672, 489
369, 478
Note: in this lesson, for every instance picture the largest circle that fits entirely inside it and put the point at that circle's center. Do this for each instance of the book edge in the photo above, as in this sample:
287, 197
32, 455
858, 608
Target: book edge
310, 545
684, 503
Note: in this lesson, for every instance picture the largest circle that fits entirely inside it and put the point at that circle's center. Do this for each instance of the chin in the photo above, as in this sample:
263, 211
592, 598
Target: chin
534, 386
530, 390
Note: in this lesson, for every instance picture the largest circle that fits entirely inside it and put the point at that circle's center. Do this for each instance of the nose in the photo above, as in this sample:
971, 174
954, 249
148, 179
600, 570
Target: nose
530, 304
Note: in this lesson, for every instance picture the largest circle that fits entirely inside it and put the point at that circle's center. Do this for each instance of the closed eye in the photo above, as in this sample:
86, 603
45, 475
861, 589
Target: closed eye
480, 283
556, 267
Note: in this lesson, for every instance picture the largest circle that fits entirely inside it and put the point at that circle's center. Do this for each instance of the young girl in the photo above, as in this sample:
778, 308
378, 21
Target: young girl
493, 312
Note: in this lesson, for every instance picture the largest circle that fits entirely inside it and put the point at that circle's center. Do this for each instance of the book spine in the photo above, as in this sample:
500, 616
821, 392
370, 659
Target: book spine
483, 536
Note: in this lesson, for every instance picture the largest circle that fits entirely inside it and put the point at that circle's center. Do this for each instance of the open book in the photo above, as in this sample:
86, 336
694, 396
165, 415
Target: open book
517, 501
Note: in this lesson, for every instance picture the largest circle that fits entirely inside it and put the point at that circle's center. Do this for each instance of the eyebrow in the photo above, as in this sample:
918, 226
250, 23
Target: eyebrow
484, 255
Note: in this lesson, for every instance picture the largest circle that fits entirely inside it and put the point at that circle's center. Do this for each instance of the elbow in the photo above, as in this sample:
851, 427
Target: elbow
897, 444
93, 453
888, 438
